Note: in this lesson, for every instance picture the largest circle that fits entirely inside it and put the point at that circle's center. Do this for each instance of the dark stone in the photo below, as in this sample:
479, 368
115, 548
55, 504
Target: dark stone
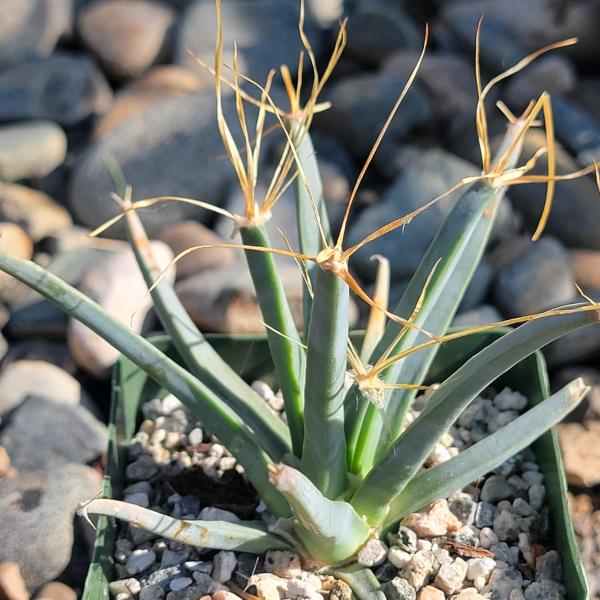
377, 28
478, 287
407, 539
399, 589
31, 28
250, 25
38, 508
577, 129
42, 433
65, 88
425, 175
496, 488
484, 517
575, 215
553, 74
578, 346
172, 149
539, 278
385, 572
360, 105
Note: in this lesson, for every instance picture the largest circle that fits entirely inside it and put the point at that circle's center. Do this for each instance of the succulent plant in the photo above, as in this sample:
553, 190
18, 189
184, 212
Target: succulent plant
345, 467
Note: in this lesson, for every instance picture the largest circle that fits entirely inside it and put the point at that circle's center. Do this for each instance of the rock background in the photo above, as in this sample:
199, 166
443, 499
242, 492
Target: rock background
87, 83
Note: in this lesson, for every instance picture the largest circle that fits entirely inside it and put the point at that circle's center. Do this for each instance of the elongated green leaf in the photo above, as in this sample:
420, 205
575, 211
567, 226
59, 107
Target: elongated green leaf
306, 199
331, 530
200, 357
363, 582
218, 418
284, 341
217, 535
458, 246
324, 450
482, 457
392, 473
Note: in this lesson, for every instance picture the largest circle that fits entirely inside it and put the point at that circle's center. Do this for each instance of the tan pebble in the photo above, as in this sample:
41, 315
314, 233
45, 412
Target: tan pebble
425, 525
56, 591
431, 593
283, 563
12, 586
269, 586
439, 509
223, 595
469, 594
451, 576
327, 582
4, 462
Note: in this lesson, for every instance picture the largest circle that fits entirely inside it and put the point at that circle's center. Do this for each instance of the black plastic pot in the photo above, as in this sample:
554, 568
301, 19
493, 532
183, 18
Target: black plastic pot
249, 356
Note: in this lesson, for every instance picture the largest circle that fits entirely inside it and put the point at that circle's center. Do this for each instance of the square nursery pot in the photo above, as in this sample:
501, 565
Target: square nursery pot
249, 356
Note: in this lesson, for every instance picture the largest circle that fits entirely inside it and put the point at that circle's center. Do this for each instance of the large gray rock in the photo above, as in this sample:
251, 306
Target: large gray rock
30, 28
553, 74
173, 149
224, 300
63, 87
266, 33
116, 283
449, 78
42, 433
36, 518
377, 28
425, 174
159, 83
22, 379
577, 129
579, 346
538, 279
187, 234
13, 240
127, 36
360, 105
283, 219
33, 210
31, 149
530, 25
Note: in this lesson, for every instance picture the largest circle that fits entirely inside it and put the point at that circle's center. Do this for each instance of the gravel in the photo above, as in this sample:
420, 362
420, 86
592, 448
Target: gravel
481, 543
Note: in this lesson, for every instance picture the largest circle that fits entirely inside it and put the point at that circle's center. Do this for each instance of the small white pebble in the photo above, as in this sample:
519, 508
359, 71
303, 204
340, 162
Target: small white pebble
480, 567
372, 554
227, 463
158, 436
487, 537
195, 436
170, 403
172, 440
216, 450
450, 577
439, 454
398, 557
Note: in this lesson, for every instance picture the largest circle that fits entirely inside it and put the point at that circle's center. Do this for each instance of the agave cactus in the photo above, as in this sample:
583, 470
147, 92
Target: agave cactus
344, 468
